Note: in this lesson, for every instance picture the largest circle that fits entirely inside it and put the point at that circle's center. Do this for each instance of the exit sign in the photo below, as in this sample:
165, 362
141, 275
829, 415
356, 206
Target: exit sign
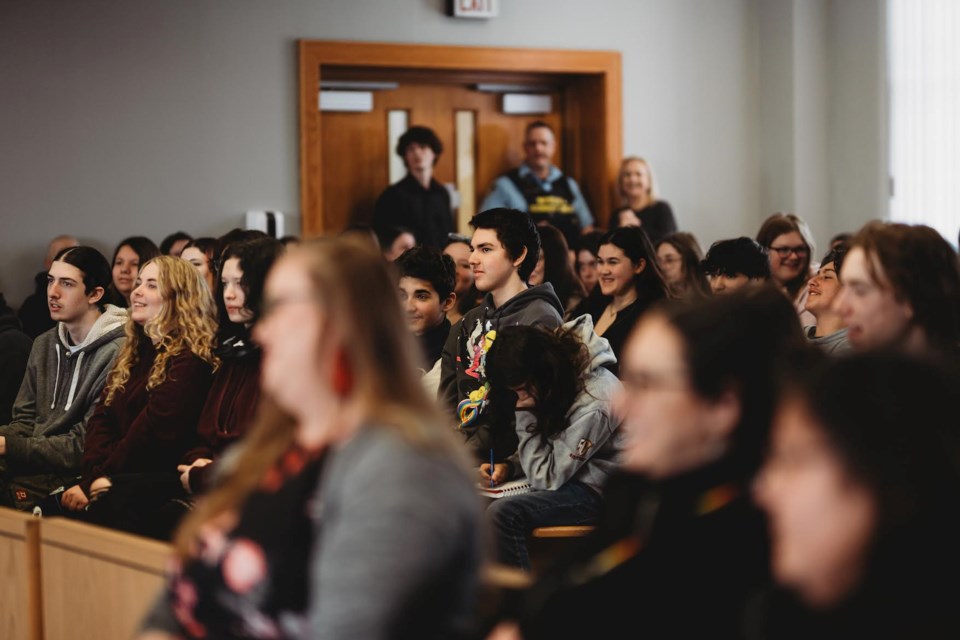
473, 8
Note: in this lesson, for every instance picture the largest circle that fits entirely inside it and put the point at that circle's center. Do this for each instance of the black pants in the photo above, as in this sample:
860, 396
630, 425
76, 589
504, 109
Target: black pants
146, 504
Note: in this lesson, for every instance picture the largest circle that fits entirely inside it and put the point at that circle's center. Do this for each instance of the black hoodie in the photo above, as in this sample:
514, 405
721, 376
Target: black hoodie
463, 379
15, 348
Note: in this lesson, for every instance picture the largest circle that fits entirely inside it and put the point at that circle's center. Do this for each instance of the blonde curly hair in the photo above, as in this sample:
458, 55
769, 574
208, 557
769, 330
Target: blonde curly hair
187, 319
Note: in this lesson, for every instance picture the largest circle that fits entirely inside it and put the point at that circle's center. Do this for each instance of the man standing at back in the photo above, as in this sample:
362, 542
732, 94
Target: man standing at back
42, 447
504, 251
540, 188
417, 203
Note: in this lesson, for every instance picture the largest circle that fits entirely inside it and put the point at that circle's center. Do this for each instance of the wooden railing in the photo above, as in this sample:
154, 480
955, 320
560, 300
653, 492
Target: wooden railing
62, 579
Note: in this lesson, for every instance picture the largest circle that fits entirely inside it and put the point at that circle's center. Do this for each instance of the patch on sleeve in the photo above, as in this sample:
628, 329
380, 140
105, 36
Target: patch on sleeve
583, 447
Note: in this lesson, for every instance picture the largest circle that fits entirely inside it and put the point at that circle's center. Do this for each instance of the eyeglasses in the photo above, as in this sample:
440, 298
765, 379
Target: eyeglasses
783, 252
270, 305
642, 381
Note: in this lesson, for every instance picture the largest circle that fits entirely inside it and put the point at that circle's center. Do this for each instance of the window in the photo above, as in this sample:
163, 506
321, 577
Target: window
924, 68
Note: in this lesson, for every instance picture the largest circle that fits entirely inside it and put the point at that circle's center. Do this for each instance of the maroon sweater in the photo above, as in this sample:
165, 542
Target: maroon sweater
144, 431
227, 413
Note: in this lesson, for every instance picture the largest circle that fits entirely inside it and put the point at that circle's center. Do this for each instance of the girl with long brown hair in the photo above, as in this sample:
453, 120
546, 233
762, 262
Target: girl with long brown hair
147, 416
347, 511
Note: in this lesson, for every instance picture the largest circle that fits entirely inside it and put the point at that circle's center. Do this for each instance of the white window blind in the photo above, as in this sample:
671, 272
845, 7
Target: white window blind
924, 59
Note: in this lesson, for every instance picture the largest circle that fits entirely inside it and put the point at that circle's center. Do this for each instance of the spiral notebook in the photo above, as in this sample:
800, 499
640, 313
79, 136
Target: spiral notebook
512, 488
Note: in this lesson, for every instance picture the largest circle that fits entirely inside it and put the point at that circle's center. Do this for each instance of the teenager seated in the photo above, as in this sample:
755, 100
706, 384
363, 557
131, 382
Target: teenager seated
630, 282
147, 416
861, 487
128, 258
679, 545
505, 248
202, 253
901, 291
42, 446
554, 266
830, 331
426, 282
560, 388
235, 389
731, 265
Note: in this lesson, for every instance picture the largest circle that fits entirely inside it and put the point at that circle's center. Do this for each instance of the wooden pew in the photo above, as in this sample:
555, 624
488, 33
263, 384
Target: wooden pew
97, 583
21, 617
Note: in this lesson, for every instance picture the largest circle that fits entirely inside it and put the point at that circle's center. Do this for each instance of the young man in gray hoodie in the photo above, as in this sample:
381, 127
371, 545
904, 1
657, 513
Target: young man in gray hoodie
42, 447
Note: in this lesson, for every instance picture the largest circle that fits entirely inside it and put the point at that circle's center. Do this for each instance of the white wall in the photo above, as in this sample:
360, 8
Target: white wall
121, 117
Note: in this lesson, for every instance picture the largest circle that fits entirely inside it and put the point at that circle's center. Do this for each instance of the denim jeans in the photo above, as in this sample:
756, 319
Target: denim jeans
513, 518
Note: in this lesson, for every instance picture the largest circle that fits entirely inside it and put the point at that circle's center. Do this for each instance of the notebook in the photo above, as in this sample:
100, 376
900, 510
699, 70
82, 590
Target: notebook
512, 488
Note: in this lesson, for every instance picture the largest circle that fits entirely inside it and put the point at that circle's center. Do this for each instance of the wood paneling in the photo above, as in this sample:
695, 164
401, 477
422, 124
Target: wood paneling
20, 614
590, 81
97, 583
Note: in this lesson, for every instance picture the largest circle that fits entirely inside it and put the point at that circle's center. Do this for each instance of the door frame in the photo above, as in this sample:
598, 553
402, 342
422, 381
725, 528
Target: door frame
592, 109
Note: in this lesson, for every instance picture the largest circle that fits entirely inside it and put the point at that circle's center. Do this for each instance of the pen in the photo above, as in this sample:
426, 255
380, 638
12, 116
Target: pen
491, 466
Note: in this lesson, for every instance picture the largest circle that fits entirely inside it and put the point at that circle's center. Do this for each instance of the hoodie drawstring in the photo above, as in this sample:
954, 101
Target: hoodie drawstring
76, 378
56, 381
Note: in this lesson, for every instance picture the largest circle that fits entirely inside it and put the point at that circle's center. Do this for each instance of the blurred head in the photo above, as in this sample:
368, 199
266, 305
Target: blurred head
394, 241
825, 286
504, 241
557, 270
420, 149
331, 329
362, 231
243, 271
731, 265
548, 366
57, 245
863, 460
175, 243
699, 381
901, 289
789, 245
459, 252
426, 281
332, 326
128, 257
627, 259
202, 253
77, 282
679, 256
588, 245
840, 239
539, 145
635, 180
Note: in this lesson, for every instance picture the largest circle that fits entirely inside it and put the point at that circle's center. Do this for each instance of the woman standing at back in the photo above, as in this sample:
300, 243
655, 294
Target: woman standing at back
642, 207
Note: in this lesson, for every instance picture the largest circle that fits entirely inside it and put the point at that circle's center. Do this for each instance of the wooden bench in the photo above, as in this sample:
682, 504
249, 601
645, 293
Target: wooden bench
21, 617
547, 544
566, 531
97, 583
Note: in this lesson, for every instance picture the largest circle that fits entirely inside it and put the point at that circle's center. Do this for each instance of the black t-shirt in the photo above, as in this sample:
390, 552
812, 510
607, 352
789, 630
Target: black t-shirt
425, 212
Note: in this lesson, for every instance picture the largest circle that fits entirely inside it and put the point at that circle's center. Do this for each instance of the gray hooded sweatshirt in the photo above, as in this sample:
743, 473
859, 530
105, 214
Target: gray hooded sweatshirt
57, 397
588, 450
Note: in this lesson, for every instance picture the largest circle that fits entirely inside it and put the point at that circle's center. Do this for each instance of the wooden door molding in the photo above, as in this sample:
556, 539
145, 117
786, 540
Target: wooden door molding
592, 86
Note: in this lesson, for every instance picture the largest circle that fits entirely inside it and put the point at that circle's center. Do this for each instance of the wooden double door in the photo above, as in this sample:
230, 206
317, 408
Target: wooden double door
480, 142
345, 157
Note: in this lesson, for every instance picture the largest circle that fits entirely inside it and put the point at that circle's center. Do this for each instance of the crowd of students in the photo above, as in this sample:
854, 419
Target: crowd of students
763, 442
